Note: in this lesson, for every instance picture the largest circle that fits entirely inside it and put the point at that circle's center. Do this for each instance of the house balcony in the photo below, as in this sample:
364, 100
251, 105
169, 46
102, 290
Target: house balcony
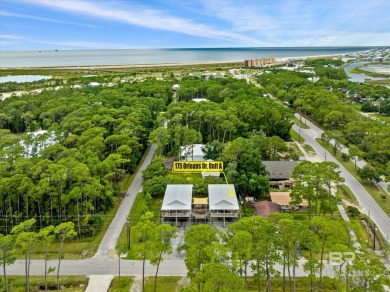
224, 213
175, 214
200, 214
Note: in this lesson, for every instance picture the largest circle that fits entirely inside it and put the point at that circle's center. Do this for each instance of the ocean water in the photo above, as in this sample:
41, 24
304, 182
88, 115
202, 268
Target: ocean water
17, 59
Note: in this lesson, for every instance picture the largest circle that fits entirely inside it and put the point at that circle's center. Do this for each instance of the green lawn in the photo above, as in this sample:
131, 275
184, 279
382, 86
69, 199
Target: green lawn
381, 82
300, 123
71, 283
124, 285
361, 234
80, 249
345, 193
296, 136
296, 149
372, 189
382, 118
360, 70
183, 178
163, 284
138, 209
174, 283
308, 148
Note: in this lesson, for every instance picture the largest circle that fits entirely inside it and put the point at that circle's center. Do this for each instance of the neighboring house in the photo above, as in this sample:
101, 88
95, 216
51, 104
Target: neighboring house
192, 152
93, 84
177, 204
221, 205
209, 173
283, 199
265, 208
280, 173
199, 99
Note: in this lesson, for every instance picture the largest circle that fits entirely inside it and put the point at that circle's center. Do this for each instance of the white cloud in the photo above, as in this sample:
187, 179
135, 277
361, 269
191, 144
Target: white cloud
12, 37
306, 23
10, 14
242, 23
243, 17
80, 44
145, 17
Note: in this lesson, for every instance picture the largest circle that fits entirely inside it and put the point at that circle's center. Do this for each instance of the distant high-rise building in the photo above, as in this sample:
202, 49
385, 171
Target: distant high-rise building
255, 63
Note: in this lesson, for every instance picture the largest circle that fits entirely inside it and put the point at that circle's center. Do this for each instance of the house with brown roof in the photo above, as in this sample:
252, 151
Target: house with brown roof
283, 200
280, 173
265, 208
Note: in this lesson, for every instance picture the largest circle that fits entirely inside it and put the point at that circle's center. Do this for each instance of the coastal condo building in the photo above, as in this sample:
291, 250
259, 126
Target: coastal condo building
259, 62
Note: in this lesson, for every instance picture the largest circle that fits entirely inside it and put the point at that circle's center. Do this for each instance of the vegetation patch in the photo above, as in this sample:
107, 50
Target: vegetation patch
345, 193
296, 136
300, 123
122, 284
375, 192
359, 70
164, 284
69, 283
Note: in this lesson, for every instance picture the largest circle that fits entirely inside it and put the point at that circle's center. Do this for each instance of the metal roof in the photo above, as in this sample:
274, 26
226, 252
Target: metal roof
280, 169
192, 152
177, 197
219, 199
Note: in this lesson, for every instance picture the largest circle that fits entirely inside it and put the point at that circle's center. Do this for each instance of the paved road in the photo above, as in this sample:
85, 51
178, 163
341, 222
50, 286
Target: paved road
366, 201
359, 163
107, 246
94, 266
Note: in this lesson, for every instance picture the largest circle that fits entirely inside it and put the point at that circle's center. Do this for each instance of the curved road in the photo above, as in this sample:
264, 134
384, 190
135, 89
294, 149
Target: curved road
366, 201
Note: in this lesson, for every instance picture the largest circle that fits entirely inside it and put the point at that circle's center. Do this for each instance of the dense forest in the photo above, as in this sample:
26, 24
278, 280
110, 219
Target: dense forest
67, 174
95, 135
98, 135
237, 124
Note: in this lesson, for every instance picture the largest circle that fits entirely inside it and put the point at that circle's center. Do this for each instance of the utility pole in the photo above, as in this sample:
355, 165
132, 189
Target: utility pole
128, 232
299, 134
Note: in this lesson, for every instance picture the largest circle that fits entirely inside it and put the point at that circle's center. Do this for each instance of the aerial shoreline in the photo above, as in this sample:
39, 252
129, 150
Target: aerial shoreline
157, 65
81, 67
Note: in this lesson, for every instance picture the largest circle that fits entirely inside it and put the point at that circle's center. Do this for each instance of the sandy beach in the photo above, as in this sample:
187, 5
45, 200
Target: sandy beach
129, 66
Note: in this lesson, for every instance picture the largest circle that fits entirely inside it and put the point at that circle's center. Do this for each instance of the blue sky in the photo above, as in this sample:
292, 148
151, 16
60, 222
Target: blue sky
115, 24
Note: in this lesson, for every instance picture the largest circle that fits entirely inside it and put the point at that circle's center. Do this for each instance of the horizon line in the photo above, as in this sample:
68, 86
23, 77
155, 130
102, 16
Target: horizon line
194, 48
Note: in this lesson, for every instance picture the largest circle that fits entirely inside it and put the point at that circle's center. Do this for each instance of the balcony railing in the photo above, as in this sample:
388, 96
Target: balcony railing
175, 213
221, 214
